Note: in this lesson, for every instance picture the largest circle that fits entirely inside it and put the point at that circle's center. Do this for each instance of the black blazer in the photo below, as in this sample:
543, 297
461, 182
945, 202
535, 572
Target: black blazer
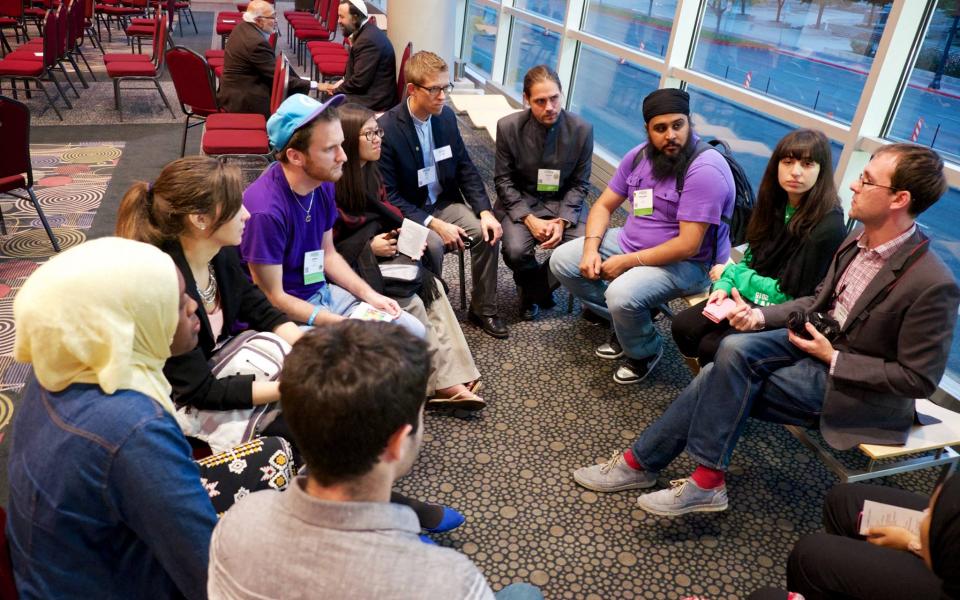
370, 78
241, 301
521, 153
248, 64
401, 157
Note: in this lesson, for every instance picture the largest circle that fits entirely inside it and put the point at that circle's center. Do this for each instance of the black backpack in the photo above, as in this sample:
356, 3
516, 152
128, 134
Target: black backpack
744, 199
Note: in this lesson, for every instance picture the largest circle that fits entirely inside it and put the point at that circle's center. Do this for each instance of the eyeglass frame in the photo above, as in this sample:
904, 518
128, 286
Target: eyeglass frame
369, 134
435, 90
886, 187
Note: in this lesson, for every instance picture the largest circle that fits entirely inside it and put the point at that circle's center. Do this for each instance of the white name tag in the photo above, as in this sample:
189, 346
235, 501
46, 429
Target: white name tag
548, 180
313, 267
426, 176
642, 202
442, 153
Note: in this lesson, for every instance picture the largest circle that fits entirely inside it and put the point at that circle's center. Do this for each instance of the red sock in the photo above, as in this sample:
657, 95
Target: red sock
631, 460
707, 478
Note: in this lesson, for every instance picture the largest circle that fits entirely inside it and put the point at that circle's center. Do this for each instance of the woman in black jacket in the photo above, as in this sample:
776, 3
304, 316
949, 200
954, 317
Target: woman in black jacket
194, 212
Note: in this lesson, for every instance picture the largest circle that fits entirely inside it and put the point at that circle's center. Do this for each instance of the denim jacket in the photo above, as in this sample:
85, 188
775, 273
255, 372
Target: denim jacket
105, 501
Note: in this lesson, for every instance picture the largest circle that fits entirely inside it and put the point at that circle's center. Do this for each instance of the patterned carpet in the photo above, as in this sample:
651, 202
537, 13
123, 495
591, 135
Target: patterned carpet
553, 407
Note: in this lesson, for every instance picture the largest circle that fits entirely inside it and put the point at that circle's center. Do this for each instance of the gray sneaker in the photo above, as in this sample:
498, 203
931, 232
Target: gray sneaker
611, 350
613, 476
683, 496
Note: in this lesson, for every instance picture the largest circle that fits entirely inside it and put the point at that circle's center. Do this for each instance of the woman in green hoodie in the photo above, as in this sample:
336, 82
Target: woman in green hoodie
796, 226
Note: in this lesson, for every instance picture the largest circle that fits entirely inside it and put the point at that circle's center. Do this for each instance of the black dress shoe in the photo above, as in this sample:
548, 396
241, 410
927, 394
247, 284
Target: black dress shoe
529, 312
491, 325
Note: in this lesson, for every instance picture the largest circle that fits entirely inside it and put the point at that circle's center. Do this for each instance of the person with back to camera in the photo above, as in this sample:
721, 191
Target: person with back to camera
194, 213
366, 235
542, 176
354, 394
796, 226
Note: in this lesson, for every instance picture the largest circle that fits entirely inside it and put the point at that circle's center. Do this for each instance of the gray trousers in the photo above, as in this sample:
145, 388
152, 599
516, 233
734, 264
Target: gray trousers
483, 256
452, 361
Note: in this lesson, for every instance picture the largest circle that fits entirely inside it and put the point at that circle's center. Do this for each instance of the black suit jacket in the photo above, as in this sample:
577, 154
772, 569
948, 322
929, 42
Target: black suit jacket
890, 355
370, 78
189, 374
401, 158
523, 149
248, 65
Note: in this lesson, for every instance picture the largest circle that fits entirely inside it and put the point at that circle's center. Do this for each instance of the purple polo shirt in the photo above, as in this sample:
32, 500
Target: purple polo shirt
278, 232
708, 193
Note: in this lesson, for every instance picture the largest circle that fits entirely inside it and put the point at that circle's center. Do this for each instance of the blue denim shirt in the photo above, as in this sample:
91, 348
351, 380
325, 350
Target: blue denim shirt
105, 500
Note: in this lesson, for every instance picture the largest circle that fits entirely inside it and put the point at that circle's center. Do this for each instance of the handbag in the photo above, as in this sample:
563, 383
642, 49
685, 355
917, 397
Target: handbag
262, 464
256, 353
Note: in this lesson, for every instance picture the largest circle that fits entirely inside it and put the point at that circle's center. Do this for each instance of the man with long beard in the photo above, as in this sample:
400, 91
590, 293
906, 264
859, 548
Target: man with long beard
668, 243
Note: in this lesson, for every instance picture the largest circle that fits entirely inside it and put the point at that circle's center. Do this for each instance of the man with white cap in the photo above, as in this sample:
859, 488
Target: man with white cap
288, 240
370, 78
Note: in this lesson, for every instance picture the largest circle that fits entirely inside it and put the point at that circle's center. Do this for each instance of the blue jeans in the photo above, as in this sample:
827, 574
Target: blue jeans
627, 300
335, 299
754, 374
519, 591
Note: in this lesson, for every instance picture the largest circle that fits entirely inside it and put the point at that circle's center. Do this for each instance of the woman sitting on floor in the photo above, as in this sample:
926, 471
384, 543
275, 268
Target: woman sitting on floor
366, 236
890, 562
105, 499
194, 212
796, 226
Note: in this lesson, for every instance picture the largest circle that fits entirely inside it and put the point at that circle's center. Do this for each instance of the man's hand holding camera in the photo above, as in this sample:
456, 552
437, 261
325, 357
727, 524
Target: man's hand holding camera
818, 346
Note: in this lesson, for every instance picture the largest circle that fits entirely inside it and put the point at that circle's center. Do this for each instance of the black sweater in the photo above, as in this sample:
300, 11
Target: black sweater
242, 303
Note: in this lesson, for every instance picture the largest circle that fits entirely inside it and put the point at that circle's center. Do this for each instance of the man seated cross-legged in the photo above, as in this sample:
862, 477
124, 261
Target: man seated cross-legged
887, 306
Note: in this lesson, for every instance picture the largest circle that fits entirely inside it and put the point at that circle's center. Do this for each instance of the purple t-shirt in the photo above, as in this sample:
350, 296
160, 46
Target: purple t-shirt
708, 193
278, 232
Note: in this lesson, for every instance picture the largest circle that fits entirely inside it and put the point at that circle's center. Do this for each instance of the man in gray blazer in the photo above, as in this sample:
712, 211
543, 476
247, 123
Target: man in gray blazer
542, 176
894, 306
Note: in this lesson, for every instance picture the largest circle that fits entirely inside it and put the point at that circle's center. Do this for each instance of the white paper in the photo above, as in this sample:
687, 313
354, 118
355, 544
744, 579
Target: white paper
876, 514
412, 238
365, 312
400, 272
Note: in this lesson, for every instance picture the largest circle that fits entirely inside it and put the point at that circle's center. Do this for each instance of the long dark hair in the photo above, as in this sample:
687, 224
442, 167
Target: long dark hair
773, 244
356, 184
768, 214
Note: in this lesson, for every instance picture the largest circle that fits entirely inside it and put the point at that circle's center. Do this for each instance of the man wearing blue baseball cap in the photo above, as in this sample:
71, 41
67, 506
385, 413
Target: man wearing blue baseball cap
288, 241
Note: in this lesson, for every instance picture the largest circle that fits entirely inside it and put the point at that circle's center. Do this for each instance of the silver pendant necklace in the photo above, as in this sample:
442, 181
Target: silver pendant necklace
209, 294
309, 206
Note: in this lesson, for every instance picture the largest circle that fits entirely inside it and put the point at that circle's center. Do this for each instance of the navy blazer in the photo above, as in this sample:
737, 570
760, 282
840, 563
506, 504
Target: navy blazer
401, 158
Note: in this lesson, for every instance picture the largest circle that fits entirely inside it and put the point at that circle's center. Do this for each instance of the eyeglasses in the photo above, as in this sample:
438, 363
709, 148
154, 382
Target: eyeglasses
372, 134
435, 90
886, 187
269, 17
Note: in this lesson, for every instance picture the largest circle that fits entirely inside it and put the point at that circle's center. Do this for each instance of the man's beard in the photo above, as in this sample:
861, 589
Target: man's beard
668, 166
348, 30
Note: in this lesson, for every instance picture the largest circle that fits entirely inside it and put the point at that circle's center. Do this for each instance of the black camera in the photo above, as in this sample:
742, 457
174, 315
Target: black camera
822, 322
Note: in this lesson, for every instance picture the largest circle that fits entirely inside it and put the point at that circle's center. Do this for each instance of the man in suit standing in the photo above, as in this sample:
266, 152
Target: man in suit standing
542, 176
429, 176
370, 78
249, 62
894, 306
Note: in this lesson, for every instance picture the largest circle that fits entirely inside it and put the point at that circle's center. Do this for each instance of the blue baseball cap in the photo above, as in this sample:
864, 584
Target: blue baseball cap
295, 112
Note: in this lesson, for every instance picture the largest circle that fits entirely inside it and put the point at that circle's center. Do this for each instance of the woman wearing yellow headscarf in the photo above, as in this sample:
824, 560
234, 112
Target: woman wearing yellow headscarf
105, 501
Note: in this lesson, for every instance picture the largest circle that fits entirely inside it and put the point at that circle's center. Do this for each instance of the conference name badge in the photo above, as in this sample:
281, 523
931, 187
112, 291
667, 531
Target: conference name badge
426, 176
442, 153
642, 202
313, 267
548, 180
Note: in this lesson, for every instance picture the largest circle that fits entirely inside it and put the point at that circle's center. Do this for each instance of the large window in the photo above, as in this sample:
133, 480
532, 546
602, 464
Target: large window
555, 10
752, 136
639, 24
609, 92
812, 54
530, 45
929, 112
480, 36
940, 222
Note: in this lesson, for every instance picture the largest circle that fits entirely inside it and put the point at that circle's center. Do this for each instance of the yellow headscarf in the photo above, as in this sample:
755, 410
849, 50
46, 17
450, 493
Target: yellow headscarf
103, 312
